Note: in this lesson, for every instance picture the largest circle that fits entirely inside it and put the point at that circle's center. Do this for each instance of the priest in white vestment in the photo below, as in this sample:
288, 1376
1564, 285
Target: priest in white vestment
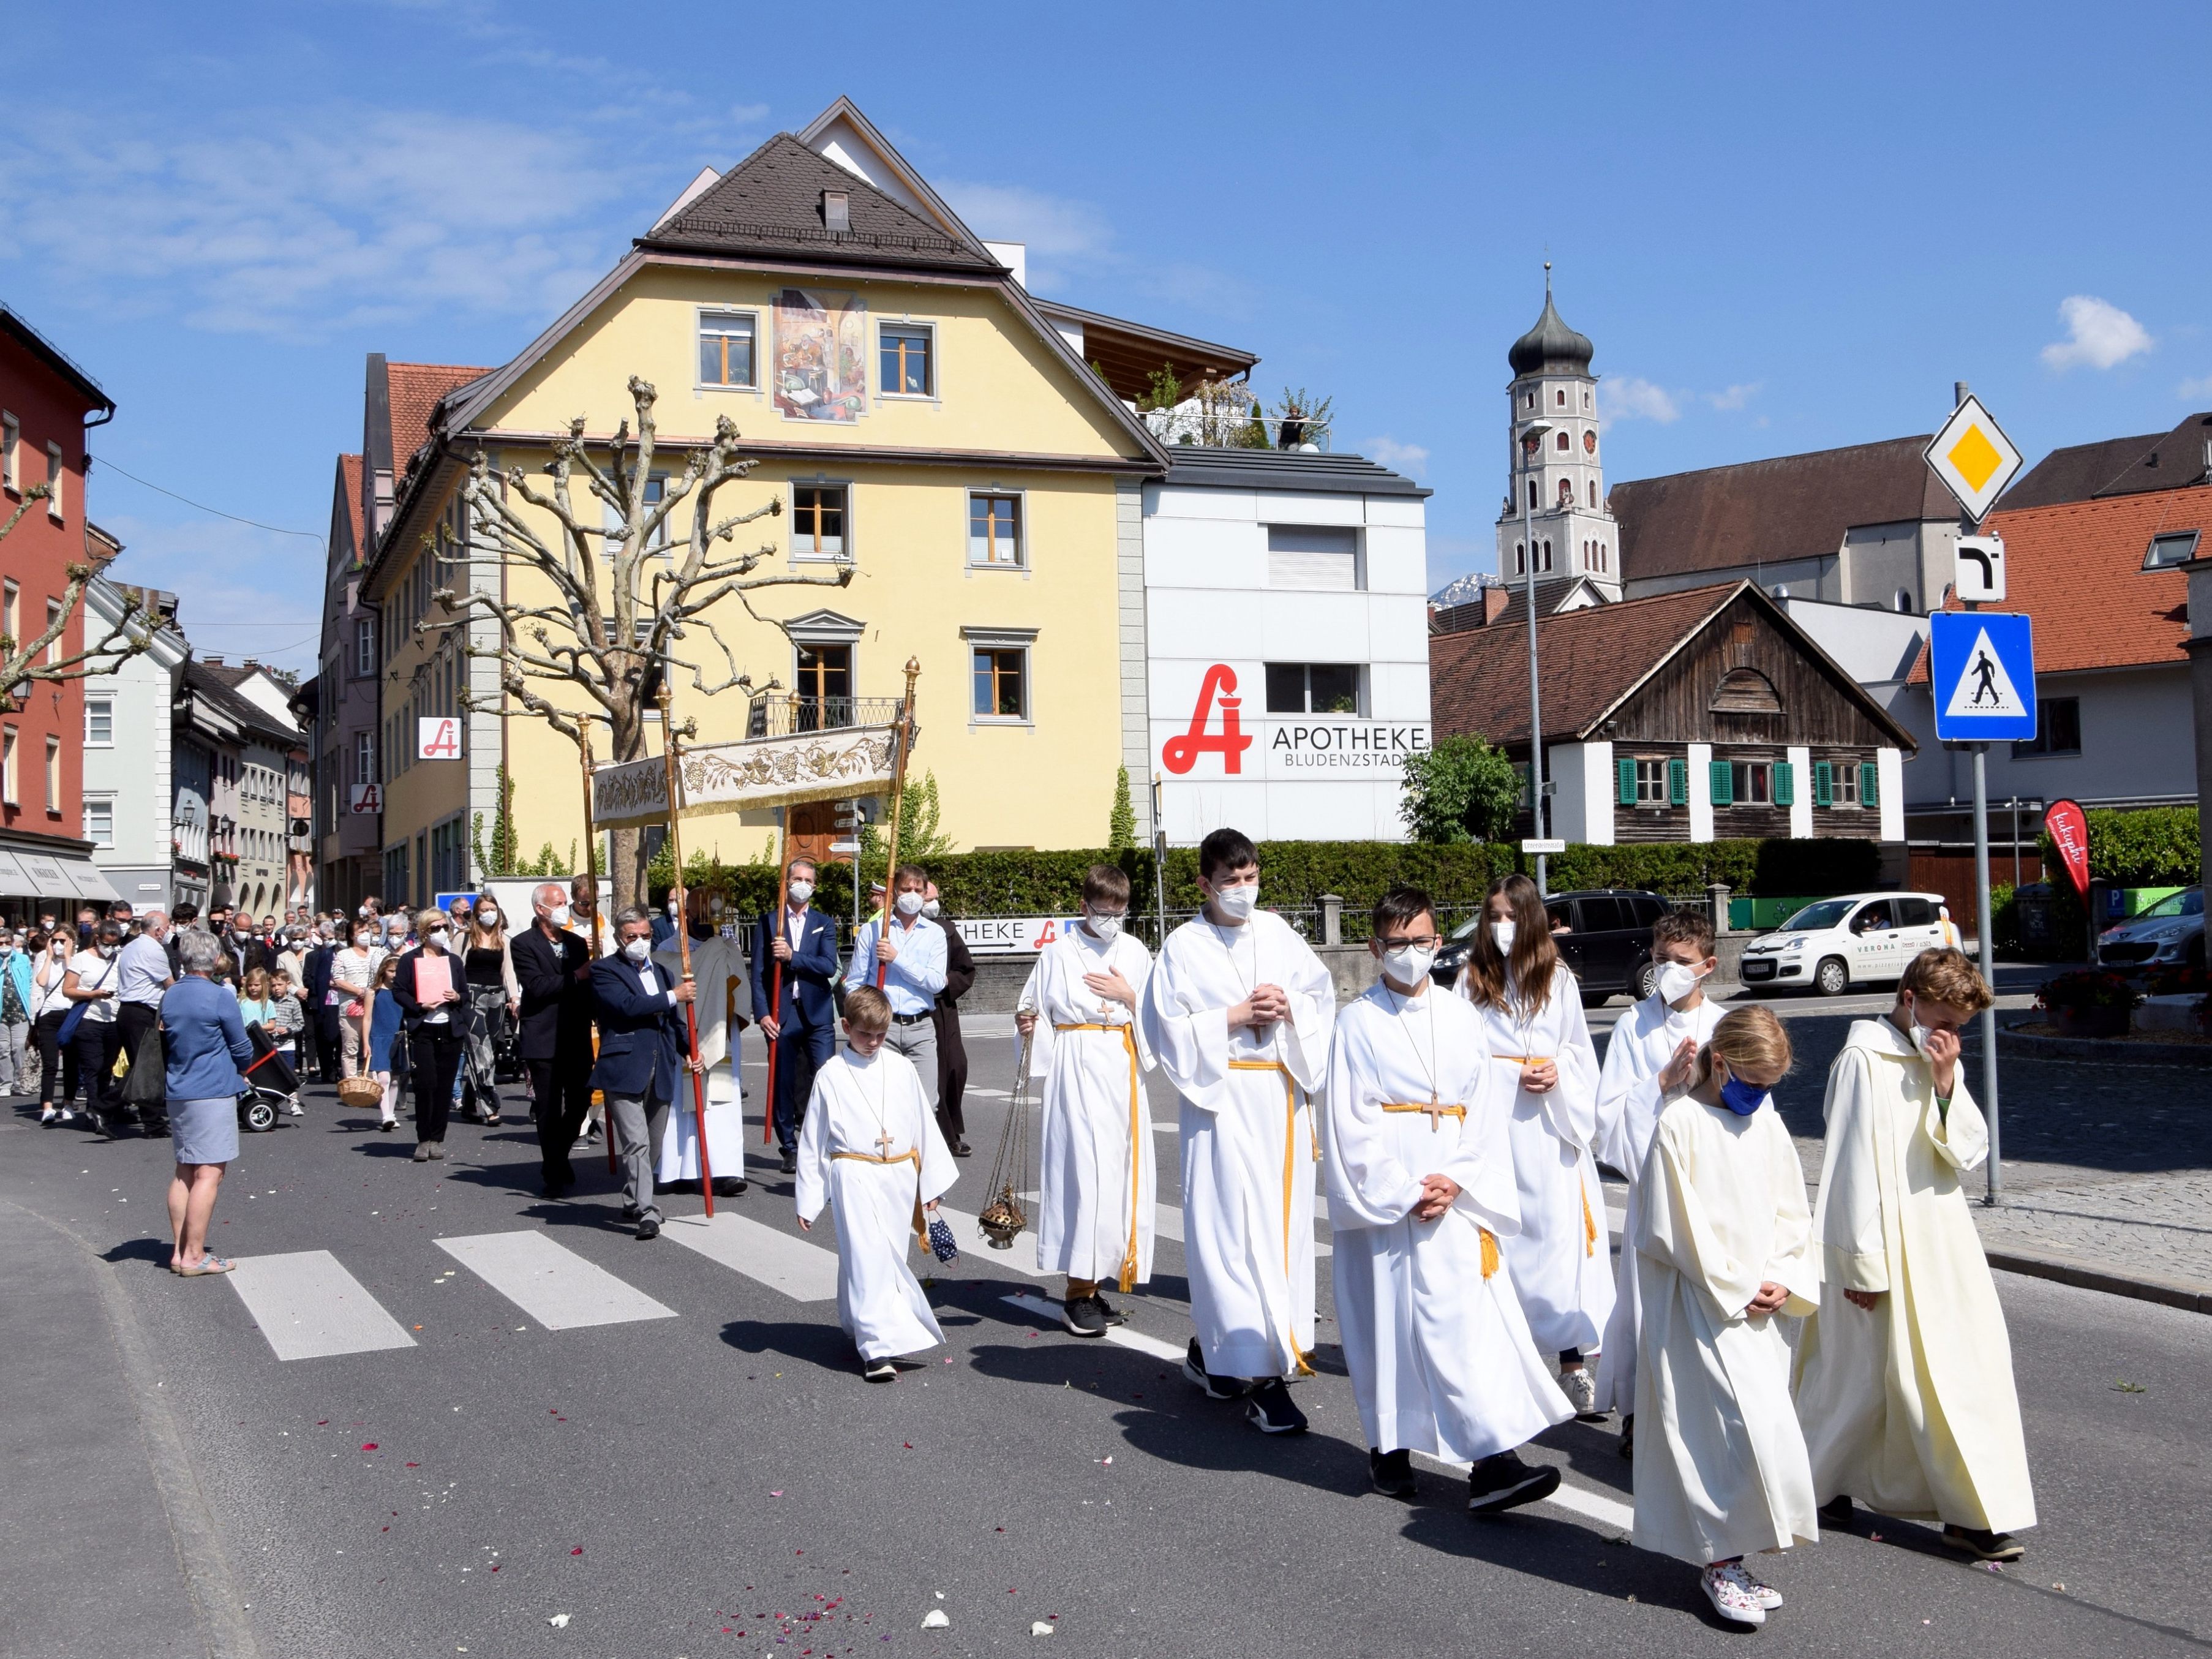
1647, 1059
1238, 1012
1904, 1382
1098, 1181
717, 966
872, 1147
1724, 1246
1539, 1041
1420, 1190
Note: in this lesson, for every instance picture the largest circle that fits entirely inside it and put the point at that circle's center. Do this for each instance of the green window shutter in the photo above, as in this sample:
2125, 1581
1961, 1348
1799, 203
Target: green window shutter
1824, 783
1785, 784
1869, 784
1723, 783
1624, 773
1678, 783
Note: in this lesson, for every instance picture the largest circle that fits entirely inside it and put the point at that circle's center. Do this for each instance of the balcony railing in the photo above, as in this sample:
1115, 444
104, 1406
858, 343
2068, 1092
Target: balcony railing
781, 715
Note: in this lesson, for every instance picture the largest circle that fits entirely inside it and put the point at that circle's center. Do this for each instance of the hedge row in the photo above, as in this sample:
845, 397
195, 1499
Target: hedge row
2150, 847
1295, 873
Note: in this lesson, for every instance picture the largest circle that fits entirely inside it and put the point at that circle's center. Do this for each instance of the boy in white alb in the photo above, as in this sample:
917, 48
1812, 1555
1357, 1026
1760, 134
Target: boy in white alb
1238, 1012
1420, 1186
1648, 1057
1098, 1181
871, 1146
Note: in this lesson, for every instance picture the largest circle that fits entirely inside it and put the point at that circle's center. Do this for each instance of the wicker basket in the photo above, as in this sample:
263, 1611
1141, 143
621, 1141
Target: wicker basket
360, 1091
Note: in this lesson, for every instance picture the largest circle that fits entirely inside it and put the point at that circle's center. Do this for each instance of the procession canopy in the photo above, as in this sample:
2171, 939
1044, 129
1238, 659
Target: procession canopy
795, 750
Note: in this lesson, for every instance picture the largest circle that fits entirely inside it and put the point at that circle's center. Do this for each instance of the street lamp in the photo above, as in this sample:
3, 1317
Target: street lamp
1532, 452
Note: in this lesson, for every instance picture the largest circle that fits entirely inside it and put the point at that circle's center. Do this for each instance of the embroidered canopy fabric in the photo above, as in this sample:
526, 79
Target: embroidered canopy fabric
838, 763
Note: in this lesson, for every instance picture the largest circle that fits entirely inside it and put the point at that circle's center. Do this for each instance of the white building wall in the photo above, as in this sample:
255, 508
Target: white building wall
1701, 791
1800, 808
1584, 787
132, 774
1889, 779
1208, 606
2135, 746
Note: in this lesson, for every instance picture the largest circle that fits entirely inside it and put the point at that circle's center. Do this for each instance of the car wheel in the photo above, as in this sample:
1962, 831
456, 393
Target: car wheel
1831, 978
1646, 983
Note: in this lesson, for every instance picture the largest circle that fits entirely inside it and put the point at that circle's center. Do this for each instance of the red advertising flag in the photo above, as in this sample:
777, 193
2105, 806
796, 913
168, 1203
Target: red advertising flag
2068, 825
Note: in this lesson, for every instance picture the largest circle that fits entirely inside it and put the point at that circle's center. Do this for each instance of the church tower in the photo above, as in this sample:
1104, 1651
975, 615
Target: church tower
1556, 476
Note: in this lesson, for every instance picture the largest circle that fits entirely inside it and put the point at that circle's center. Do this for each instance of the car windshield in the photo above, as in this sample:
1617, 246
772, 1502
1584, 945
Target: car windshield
2189, 902
1814, 918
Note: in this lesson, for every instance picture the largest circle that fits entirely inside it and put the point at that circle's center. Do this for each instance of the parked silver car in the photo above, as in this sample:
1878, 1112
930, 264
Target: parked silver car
2170, 933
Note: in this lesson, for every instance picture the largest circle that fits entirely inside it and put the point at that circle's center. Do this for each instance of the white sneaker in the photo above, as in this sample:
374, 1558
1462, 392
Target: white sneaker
1767, 1596
1581, 1391
1729, 1587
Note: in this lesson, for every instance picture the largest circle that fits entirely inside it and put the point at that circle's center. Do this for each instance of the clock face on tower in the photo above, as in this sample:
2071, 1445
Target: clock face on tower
1589, 443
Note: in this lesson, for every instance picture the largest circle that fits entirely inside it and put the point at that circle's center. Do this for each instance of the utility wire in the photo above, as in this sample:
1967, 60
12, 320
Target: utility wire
203, 507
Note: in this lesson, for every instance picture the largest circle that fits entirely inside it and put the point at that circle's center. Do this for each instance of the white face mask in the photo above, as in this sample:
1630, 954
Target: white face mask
1501, 935
909, 903
435, 939
488, 918
558, 915
1236, 902
1677, 981
801, 891
930, 907
1106, 927
671, 907
1409, 964
637, 950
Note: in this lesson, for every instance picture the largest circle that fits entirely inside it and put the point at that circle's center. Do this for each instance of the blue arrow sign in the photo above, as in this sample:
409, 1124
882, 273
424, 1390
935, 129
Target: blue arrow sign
1982, 668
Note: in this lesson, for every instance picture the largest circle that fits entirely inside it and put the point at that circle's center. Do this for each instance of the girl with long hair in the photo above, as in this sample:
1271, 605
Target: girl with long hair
1532, 1020
495, 998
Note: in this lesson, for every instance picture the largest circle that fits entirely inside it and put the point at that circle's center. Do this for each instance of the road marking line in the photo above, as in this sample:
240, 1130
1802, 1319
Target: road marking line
1049, 1313
803, 1272
308, 1306
1590, 1505
549, 1282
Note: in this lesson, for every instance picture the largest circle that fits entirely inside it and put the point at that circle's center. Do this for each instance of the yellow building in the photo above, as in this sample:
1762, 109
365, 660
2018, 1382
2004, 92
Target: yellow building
956, 482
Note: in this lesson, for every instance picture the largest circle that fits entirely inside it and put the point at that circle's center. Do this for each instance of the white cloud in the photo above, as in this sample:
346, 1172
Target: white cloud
1402, 458
1735, 397
296, 223
2199, 387
746, 115
1061, 233
2098, 334
1629, 398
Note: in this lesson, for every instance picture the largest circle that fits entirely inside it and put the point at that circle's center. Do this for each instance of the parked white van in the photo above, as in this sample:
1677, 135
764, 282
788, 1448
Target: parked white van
1837, 943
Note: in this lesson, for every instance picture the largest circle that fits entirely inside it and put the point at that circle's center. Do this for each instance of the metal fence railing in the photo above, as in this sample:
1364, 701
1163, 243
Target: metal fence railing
780, 715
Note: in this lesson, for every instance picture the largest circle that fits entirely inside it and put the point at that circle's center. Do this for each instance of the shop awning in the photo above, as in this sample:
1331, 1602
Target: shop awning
50, 875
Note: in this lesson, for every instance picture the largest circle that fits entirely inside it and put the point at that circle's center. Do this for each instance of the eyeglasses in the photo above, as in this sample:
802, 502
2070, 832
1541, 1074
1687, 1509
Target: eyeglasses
1418, 941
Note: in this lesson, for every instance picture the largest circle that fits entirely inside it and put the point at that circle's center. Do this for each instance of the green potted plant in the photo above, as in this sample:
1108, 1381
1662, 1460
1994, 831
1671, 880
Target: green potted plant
2089, 1003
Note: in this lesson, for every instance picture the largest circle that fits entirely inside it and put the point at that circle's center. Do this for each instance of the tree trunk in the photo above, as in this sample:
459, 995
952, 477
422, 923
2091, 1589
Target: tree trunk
626, 859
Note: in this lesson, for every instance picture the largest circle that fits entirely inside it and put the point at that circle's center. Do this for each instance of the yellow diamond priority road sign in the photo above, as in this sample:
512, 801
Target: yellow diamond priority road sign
1973, 458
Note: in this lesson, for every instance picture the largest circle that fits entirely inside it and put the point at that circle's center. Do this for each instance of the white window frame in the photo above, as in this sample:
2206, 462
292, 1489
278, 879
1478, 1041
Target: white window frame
1651, 775
1021, 500
10, 795
54, 776
107, 704
105, 804
56, 474
364, 647
844, 489
1023, 640
1305, 692
11, 452
699, 331
927, 328
12, 610
54, 614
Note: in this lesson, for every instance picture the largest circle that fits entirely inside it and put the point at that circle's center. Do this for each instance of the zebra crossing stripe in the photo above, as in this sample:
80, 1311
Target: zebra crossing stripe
551, 1283
803, 1272
968, 1233
1037, 1308
309, 1307
1590, 1505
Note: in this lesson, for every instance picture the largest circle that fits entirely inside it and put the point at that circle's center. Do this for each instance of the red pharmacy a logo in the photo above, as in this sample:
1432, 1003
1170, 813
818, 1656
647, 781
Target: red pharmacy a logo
1180, 754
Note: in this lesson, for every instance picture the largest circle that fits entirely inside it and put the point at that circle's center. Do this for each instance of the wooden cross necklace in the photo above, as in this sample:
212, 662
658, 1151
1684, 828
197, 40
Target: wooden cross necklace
1435, 1109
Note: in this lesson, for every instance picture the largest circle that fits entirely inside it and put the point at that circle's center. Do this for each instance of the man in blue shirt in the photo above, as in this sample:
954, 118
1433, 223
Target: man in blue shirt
802, 1025
910, 949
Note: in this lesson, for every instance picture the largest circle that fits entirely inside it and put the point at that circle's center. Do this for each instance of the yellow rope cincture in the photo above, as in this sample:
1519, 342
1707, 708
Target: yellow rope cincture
912, 1155
1128, 1280
1290, 1165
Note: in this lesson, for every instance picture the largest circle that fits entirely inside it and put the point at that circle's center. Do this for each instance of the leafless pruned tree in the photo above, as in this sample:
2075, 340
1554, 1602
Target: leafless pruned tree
625, 596
24, 663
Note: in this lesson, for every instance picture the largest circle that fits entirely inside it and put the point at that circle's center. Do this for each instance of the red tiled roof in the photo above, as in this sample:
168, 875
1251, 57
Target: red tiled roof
2077, 569
416, 389
349, 486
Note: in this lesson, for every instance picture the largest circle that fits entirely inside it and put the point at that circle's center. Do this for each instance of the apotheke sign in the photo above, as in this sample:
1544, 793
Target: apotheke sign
1306, 748
1291, 747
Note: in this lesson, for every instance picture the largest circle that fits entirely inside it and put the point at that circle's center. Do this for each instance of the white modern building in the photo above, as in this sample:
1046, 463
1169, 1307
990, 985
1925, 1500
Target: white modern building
1286, 627
127, 741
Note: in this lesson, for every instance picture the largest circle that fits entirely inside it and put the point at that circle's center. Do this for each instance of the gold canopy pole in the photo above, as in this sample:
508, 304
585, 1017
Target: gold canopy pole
899, 800
592, 869
683, 943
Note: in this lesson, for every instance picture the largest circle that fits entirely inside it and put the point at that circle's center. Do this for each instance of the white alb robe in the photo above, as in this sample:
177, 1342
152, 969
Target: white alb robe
1721, 1467
1628, 1108
1249, 1142
857, 1105
1562, 1266
1439, 1351
719, 967
1908, 1406
1099, 1174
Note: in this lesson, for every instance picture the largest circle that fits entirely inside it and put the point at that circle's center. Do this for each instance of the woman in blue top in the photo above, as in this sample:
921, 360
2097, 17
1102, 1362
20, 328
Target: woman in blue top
205, 1042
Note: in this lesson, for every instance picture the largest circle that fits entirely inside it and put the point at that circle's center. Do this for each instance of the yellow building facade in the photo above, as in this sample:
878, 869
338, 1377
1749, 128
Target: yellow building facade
956, 484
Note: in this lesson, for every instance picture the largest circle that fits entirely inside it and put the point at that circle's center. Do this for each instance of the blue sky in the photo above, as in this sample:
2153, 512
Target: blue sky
1784, 228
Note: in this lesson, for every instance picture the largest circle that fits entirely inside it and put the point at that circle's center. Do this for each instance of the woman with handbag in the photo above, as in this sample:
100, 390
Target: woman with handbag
428, 986
89, 1026
49, 955
495, 998
353, 979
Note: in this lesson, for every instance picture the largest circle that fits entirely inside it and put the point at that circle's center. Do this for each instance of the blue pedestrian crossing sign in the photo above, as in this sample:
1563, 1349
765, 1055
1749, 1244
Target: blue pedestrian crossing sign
1982, 669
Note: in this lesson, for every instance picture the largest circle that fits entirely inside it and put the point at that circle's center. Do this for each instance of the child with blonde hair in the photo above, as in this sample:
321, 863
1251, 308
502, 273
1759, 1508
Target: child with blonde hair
1723, 1245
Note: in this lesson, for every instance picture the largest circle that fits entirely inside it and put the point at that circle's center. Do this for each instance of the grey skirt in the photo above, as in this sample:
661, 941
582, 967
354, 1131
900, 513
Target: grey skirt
205, 1131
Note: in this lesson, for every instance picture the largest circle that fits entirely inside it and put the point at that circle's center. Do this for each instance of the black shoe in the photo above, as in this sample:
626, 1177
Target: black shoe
1269, 1409
1504, 1482
790, 1164
1217, 1387
558, 1186
729, 1187
1984, 1546
632, 1212
114, 1129
1392, 1472
1628, 1434
1107, 1311
1082, 1317
879, 1370
1836, 1512
648, 1227
962, 1149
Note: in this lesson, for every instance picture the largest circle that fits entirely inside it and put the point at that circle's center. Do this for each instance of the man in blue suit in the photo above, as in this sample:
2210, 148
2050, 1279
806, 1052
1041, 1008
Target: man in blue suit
802, 1025
644, 1051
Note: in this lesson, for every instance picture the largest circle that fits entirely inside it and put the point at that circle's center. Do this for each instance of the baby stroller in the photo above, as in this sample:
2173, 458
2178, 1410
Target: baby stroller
270, 1083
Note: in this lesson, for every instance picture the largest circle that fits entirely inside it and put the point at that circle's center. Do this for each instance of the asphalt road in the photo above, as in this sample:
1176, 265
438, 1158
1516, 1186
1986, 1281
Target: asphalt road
715, 1479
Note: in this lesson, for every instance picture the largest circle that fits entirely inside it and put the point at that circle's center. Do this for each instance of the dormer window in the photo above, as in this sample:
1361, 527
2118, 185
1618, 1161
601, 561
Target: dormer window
2168, 550
836, 210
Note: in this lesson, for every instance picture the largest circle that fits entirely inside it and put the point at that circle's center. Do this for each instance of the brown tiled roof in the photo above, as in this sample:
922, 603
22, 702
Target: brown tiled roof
349, 486
416, 389
2077, 569
2075, 473
1792, 506
771, 204
1478, 680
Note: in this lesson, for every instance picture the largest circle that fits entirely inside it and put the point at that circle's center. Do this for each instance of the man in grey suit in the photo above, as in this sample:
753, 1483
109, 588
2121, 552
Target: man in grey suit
644, 1049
